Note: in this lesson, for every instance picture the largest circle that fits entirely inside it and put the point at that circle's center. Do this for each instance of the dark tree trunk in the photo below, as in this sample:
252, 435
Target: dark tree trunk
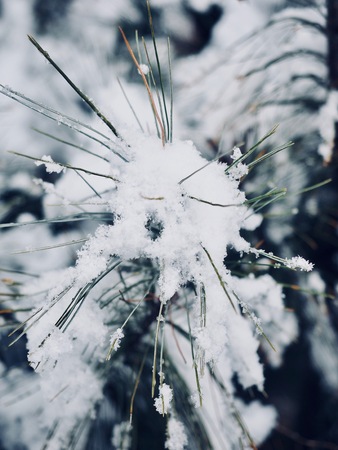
332, 34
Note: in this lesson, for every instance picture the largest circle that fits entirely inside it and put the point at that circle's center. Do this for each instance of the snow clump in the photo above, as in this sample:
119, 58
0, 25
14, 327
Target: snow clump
51, 166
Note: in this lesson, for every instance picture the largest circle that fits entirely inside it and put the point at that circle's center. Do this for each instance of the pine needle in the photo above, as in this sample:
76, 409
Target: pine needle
70, 144
137, 382
76, 89
67, 166
151, 98
50, 247
130, 105
222, 283
150, 18
153, 379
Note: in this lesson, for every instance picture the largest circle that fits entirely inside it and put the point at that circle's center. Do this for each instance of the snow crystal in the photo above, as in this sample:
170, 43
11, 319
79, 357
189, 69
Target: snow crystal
297, 262
236, 153
144, 68
196, 399
116, 338
238, 169
51, 166
92, 260
162, 402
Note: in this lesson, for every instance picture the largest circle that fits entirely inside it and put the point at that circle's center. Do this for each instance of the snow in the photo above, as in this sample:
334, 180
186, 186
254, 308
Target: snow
260, 419
177, 438
198, 209
327, 118
244, 353
144, 69
50, 165
205, 211
163, 402
297, 262
121, 438
115, 339
151, 183
265, 298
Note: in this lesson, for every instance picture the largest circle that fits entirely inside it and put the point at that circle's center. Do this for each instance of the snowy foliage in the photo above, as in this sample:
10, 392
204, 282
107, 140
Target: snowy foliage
175, 209
173, 216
